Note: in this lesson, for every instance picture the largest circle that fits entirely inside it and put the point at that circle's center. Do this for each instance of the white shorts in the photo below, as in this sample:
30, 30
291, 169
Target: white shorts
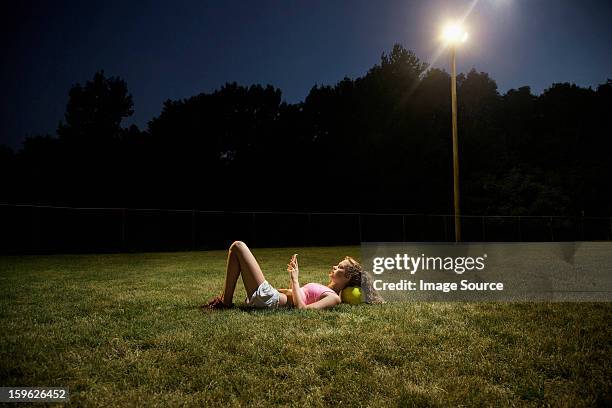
264, 297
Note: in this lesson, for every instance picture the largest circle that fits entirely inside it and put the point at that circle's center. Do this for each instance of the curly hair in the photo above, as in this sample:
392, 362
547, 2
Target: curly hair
359, 277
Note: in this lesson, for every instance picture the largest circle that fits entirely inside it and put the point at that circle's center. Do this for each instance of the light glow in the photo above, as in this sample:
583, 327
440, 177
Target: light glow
453, 34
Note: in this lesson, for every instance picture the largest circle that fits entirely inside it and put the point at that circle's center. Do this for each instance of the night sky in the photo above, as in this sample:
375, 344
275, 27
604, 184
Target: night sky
179, 49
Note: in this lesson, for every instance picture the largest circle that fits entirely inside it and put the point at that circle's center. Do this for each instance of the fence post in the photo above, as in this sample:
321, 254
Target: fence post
484, 230
310, 240
445, 229
552, 235
123, 244
160, 232
254, 229
35, 229
193, 235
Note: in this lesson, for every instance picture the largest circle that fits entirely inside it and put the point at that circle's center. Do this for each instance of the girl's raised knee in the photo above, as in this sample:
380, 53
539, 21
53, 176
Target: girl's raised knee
237, 246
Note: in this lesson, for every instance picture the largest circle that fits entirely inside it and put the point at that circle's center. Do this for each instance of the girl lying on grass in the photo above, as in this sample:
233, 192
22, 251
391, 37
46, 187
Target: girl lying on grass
241, 262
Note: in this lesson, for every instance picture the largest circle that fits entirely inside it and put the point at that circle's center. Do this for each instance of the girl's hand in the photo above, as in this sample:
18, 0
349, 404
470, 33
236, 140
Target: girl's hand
292, 268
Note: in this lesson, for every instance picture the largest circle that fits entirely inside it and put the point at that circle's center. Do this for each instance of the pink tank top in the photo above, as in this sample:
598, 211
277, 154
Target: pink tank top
313, 291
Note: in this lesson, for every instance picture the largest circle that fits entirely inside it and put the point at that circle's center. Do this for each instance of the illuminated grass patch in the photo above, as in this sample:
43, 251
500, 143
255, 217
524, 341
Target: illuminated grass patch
125, 329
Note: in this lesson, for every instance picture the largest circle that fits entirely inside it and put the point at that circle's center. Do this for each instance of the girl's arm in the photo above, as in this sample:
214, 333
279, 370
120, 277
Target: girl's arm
288, 295
298, 298
329, 300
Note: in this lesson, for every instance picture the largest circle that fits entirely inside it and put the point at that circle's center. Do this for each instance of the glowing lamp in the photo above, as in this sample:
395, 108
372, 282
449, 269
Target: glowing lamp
454, 34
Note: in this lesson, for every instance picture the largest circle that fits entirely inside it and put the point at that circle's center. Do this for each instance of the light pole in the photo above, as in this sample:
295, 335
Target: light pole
453, 35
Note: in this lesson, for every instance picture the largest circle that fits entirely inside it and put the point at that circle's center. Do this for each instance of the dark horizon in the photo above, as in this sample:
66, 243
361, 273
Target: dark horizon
290, 46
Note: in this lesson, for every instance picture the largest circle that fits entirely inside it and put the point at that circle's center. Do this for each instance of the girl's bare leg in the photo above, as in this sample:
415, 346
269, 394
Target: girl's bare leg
241, 262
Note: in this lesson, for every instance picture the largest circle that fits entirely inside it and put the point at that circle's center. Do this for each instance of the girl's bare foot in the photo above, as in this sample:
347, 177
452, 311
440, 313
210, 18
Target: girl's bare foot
216, 303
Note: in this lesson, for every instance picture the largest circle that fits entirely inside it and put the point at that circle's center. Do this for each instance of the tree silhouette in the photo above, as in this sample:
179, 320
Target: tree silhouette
95, 110
209, 139
92, 140
379, 142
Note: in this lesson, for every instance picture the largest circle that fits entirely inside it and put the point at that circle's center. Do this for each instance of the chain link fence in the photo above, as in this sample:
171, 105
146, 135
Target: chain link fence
48, 229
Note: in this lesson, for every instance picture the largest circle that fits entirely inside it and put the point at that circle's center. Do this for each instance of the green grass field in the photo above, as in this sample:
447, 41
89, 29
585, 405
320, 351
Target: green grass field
126, 330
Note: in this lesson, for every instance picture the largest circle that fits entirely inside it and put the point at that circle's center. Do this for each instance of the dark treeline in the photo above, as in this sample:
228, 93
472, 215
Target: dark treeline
381, 142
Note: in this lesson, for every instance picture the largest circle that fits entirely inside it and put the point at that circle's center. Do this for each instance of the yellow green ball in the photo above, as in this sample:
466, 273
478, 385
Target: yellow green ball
352, 295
